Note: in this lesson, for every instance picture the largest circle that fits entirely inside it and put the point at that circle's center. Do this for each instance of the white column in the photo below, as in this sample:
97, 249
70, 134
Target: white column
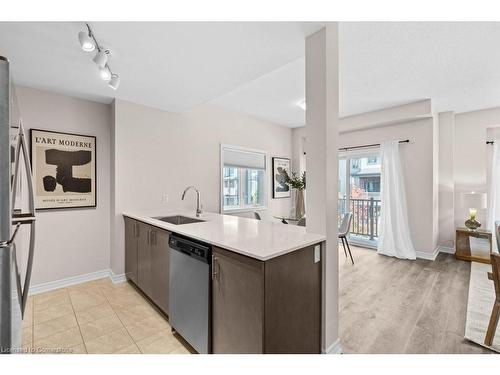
446, 179
322, 122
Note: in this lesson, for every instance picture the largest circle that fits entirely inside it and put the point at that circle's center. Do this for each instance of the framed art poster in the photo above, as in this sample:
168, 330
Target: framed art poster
281, 167
64, 169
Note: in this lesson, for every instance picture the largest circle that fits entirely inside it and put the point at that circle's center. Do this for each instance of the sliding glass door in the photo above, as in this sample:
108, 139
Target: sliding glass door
359, 193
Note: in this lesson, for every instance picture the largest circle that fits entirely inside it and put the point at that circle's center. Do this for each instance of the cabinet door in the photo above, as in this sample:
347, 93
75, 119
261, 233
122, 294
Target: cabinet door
160, 258
237, 303
293, 303
144, 274
131, 249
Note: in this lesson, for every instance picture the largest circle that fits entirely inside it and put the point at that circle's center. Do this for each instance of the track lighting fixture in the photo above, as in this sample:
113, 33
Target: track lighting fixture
114, 81
86, 41
101, 58
89, 43
105, 73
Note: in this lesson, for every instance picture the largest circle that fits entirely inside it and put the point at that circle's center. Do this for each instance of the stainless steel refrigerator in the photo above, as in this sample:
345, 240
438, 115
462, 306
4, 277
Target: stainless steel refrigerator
17, 219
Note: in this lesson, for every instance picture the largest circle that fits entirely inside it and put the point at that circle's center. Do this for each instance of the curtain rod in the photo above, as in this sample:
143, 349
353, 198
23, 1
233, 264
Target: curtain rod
490, 142
367, 146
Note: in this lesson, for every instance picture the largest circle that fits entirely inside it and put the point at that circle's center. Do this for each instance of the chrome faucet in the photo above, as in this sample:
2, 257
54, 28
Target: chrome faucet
198, 204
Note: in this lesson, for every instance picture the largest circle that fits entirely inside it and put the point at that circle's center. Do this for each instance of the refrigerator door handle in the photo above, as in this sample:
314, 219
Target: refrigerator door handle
22, 146
9, 243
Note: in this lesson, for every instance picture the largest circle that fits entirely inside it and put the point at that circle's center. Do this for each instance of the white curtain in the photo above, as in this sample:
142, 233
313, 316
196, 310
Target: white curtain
493, 191
394, 233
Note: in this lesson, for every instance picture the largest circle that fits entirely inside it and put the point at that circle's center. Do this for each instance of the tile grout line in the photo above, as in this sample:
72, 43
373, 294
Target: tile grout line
77, 323
95, 338
123, 324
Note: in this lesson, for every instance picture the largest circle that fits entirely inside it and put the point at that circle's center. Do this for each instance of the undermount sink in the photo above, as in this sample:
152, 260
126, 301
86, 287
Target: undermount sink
178, 219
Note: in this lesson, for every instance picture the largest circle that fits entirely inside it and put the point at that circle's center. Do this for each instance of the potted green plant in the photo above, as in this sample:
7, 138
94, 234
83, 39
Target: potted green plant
298, 183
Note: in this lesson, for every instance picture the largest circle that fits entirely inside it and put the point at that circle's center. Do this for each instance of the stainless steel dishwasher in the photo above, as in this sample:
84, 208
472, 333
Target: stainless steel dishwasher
190, 286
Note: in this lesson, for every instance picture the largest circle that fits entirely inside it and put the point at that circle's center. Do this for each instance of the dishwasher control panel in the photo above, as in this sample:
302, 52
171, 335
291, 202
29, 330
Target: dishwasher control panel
198, 250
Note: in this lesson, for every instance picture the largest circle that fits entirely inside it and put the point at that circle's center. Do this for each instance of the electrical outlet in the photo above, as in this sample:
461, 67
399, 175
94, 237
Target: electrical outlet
164, 198
317, 253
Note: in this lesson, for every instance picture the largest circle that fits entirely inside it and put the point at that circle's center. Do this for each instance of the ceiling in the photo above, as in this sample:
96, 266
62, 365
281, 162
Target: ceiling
258, 68
174, 66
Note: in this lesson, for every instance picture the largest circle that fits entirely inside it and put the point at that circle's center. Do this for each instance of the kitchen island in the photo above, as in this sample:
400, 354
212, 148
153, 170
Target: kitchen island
265, 292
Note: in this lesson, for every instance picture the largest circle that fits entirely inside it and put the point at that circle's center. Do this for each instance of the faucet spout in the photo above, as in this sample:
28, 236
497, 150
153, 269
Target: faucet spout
198, 200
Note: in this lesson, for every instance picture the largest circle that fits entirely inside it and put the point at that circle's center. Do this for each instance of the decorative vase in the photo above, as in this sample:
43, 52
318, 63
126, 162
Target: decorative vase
472, 223
300, 207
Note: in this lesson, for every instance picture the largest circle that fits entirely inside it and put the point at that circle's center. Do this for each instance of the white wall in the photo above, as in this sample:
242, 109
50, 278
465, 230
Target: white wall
71, 242
471, 156
418, 163
446, 179
158, 152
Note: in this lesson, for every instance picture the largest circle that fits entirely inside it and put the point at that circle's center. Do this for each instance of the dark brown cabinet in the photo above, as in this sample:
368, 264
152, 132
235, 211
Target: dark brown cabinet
266, 307
147, 260
237, 303
131, 235
144, 265
160, 266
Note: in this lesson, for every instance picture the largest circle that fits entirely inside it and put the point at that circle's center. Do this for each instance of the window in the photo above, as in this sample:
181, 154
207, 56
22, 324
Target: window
372, 160
243, 179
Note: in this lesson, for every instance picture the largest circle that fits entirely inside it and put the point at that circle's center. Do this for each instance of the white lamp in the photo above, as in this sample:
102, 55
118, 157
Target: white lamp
473, 201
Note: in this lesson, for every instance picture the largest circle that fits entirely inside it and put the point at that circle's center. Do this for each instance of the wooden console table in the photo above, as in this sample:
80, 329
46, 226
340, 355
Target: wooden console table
463, 248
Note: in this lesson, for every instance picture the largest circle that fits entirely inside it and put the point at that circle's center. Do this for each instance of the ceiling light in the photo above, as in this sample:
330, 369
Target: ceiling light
101, 58
114, 82
89, 42
105, 73
302, 104
86, 41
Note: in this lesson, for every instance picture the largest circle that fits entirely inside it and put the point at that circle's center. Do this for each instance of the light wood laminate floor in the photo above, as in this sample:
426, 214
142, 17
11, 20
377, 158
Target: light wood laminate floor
96, 317
389, 305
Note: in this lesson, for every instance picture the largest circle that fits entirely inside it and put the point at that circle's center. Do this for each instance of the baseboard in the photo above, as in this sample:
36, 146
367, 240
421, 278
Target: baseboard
62, 283
434, 254
334, 348
428, 256
446, 249
117, 278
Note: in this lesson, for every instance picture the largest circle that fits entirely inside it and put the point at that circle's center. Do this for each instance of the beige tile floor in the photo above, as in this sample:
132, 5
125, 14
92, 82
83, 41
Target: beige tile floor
97, 317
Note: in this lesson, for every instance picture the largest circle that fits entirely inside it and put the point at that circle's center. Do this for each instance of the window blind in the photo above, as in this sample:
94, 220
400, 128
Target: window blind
233, 157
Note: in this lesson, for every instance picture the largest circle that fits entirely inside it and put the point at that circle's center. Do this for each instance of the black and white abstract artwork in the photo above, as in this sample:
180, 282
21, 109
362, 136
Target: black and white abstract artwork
64, 169
281, 167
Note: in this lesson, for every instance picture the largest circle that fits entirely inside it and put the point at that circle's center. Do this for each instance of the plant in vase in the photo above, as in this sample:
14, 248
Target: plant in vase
298, 183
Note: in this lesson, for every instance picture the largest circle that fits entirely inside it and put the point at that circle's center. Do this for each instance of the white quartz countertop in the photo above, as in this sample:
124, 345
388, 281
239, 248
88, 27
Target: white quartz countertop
262, 240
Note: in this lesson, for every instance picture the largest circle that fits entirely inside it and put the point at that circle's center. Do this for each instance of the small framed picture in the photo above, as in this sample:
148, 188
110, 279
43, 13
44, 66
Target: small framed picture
281, 167
64, 169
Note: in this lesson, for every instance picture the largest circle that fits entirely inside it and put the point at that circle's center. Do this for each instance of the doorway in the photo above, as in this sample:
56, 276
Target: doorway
359, 193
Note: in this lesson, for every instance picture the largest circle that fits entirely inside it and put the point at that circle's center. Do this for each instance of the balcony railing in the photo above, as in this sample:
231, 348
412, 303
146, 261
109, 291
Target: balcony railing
365, 215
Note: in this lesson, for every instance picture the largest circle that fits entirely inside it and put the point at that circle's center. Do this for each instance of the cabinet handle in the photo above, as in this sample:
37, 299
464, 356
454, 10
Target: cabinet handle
215, 272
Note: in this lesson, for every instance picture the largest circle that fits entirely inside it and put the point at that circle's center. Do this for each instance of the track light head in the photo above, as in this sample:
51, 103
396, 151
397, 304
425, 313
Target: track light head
86, 41
101, 58
114, 82
105, 73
